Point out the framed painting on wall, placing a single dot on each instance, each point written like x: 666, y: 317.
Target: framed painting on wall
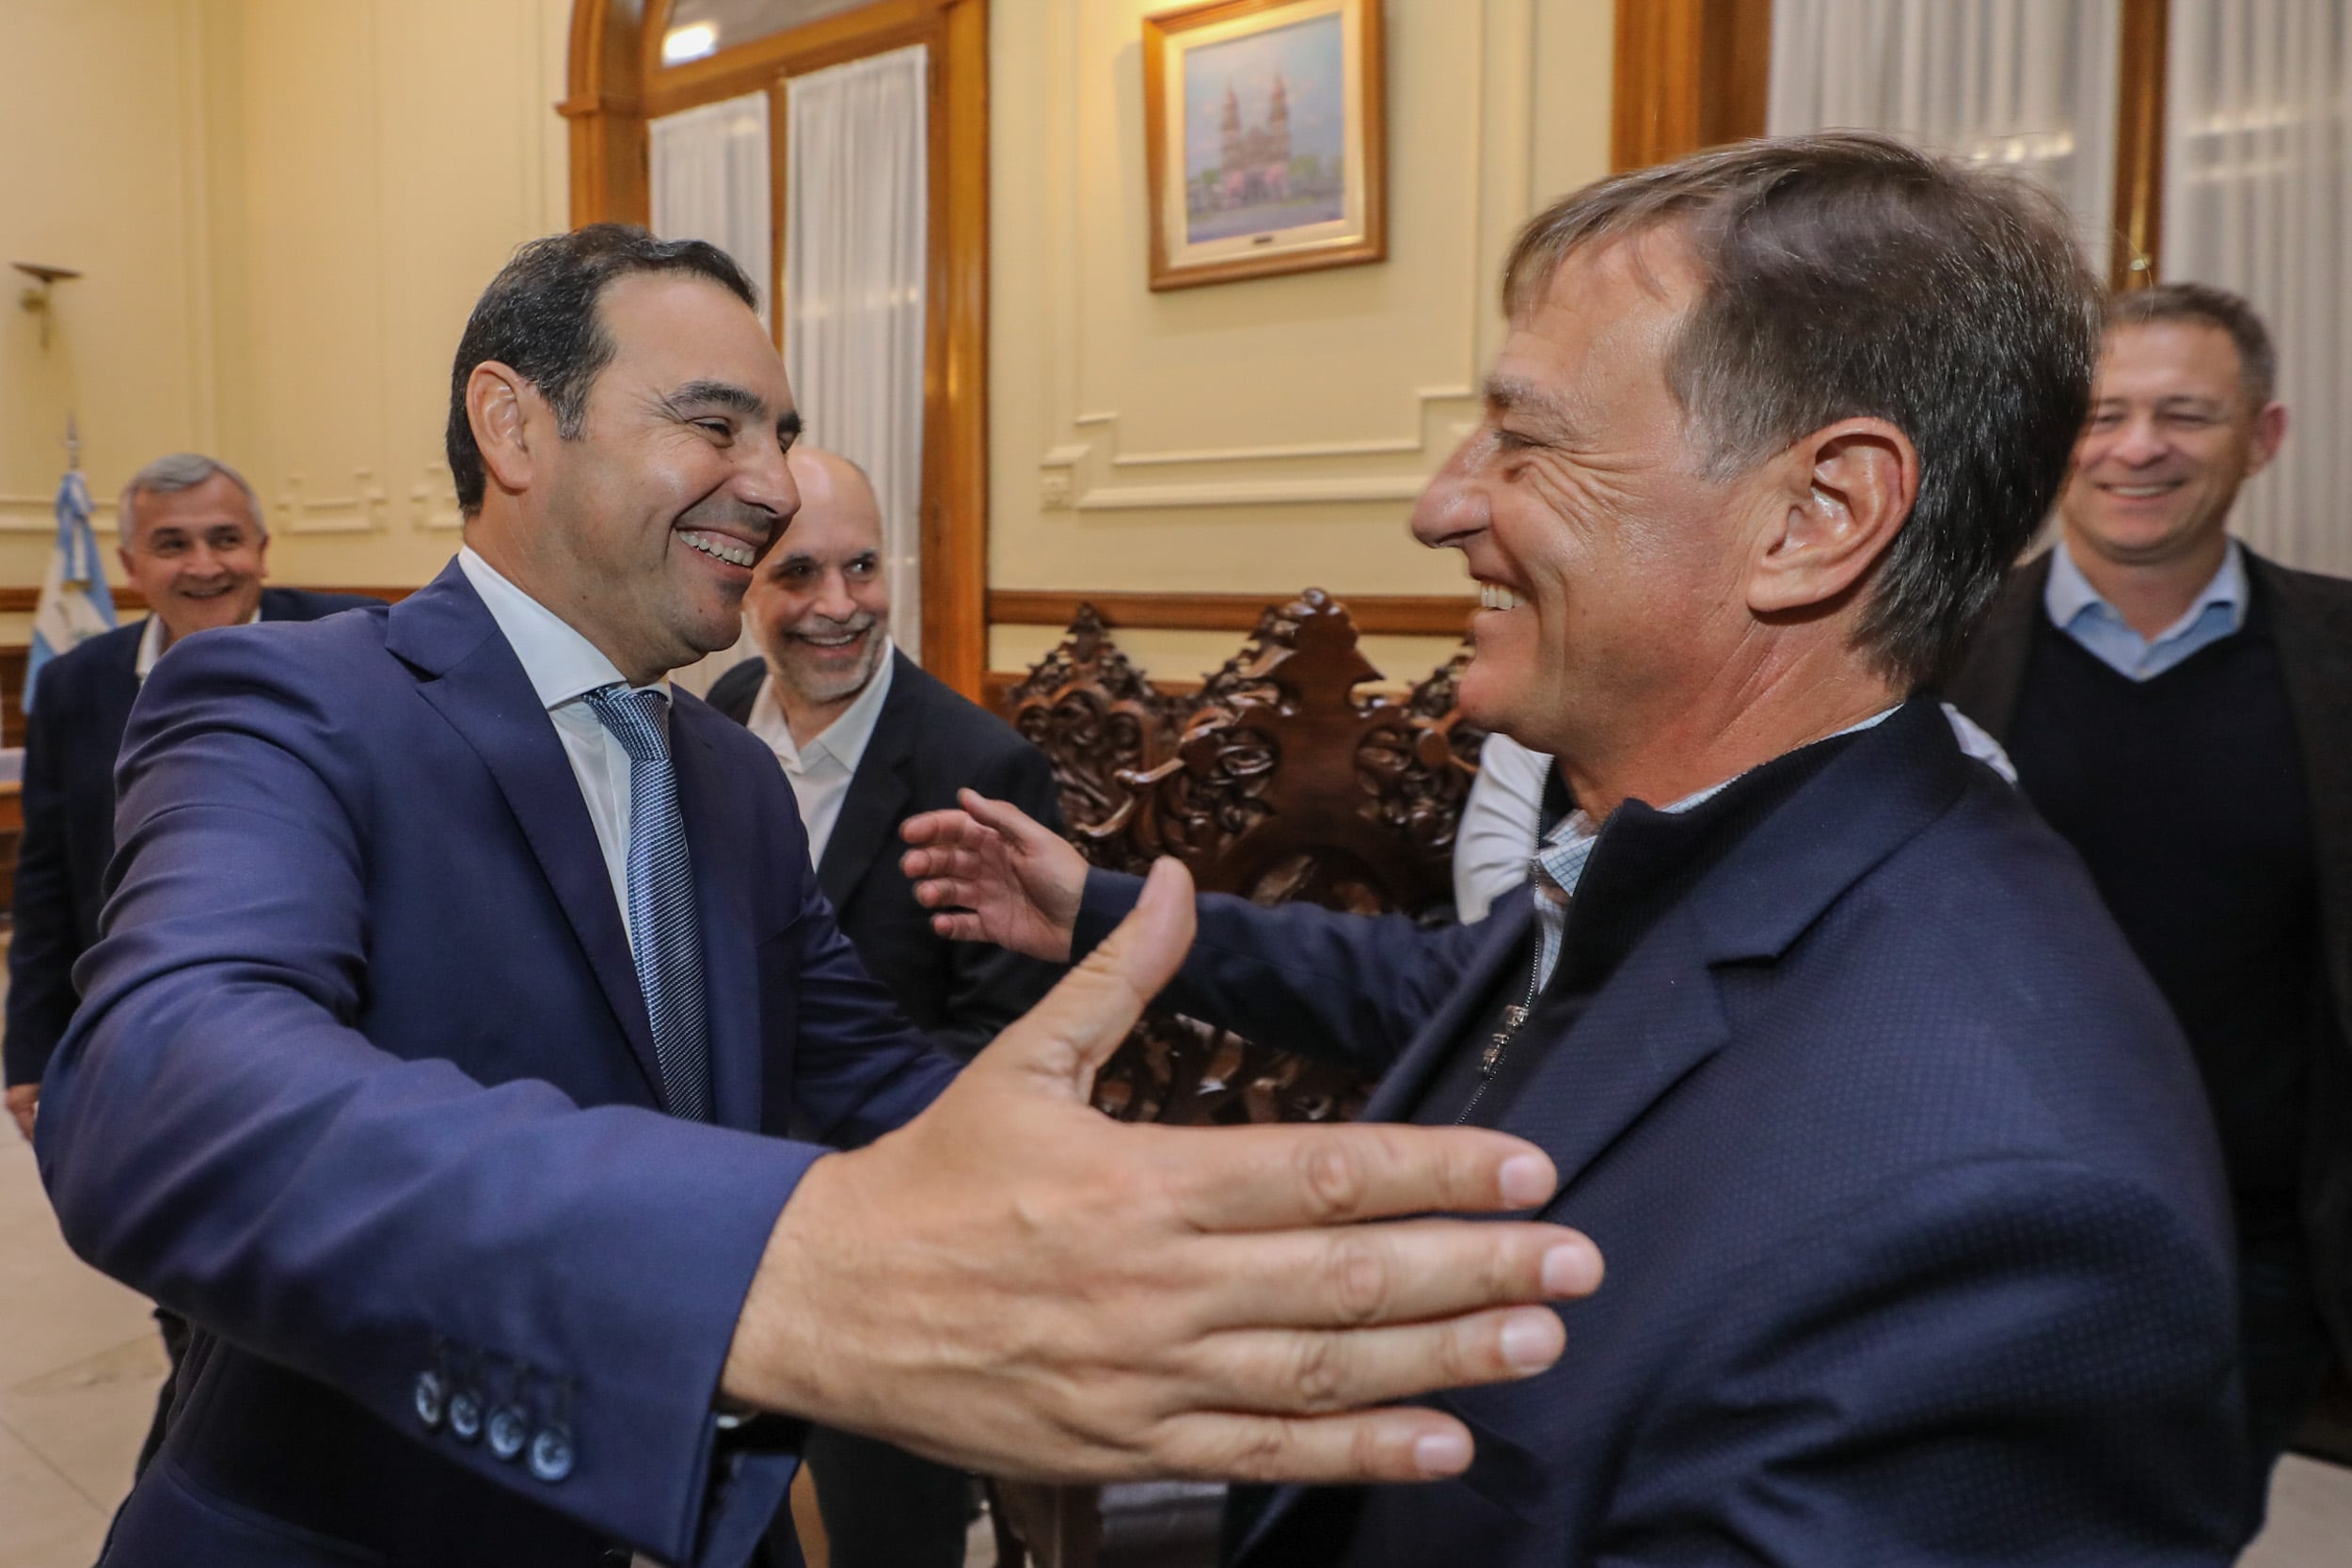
x: 1266, y: 133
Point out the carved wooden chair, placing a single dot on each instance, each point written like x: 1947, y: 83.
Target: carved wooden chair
x: 1097, y: 718
x: 1285, y: 782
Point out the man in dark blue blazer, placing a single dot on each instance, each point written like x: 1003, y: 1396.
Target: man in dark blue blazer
x: 71, y: 738
x: 195, y: 544
x: 459, y: 981
x: 1918, y: 1252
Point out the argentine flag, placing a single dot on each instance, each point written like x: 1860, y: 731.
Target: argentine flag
x: 76, y: 603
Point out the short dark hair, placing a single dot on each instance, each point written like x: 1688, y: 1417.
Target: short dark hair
x: 1849, y: 274
x: 2257, y: 362
x: 539, y: 317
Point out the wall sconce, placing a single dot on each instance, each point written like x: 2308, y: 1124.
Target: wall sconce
x: 36, y: 295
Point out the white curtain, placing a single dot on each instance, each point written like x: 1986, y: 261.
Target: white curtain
x: 2026, y: 83
x: 710, y: 181
x: 856, y: 252
x: 2258, y: 199
x: 710, y: 168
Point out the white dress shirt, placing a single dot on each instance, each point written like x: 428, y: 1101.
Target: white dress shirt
x: 151, y: 642
x: 821, y: 771
x: 563, y: 667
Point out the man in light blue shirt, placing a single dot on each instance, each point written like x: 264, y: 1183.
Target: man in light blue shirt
x: 2078, y: 608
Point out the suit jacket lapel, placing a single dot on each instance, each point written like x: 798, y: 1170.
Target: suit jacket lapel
x: 473, y: 679
x: 2314, y: 642
x: 1401, y: 1087
x: 715, y: 836
x: 1660, y: 1015
x: 878, y: 791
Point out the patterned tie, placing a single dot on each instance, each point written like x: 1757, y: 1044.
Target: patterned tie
x: 662, y: 926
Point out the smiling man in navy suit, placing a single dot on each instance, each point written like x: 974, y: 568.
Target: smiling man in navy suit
x: 1918, y: 1249
x: 461, y: 983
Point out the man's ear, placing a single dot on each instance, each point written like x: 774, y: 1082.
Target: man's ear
x: 499, y: 405
x: 1849, y: 488
x: 2270, y: 429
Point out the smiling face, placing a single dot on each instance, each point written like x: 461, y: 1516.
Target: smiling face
x: 820, y: 606
x: 1612, y: 575
x: 642, y: 530
x: 2173, y: 435
x: 199, y: 555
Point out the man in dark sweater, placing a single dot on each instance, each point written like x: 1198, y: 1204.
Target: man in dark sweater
x: 2181, y: 711
x: 867, y: 741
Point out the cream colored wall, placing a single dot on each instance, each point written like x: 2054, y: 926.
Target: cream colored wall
x: 101, y: 109
x: 1264, y: 435
x: 284, y: 209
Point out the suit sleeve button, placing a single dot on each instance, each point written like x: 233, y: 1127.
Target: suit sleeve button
x: 510, y: 1432
x: 464, y: 1415
x: 551, y: 1453
x: 432, y: 1398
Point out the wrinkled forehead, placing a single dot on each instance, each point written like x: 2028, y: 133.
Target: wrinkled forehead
x: 839, y: 515
x: 2169, y: 359
x: 215, y: 502
x: 1601, y: 327
x: 670, y: 330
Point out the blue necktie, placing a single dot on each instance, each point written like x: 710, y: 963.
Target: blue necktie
x: 662, y: 925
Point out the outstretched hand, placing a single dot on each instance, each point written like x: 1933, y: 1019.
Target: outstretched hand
x: 1014, y: 1283
x: 993, y: 873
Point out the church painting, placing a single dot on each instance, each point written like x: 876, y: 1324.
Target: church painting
x: 1264, y: 128
x: 1264, y: 121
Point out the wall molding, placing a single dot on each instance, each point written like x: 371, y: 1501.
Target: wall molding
x: 38, y: 515
x: 1381, y: 614
x: 25, y: 601
x: 296, y: 511
x: 1083, y: 475
x: 431, y: 504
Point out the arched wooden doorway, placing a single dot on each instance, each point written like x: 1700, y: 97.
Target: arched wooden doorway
x: 617, y: 82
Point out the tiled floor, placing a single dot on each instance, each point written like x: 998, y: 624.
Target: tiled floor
x: 79, y: 1360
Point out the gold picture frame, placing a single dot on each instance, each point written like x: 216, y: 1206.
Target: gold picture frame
x: 1265, y: 133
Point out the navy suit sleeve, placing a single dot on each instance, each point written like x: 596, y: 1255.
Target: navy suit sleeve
x: 218, y: 1135
x: 47, y: 938
x: 1347, y: 988
x: 2007, y: 1362
x: 989, y: 985
x: 859, y: 1069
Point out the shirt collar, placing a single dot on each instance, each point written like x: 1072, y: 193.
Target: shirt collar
x: 2069, y: 595
x: 1579, y: 826
x: 845, y: 739
x: 151, y: 642
x: 562, y: 666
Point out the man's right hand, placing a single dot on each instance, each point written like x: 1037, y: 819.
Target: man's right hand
x: 1014, y: 1283
x: 23, y: 1099
x: 994, y: 874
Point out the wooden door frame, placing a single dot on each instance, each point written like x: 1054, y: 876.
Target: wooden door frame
x: 1695, y: 74
x: 617, y: 83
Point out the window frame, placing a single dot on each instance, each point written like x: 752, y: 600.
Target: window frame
x: 1696, y: 73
